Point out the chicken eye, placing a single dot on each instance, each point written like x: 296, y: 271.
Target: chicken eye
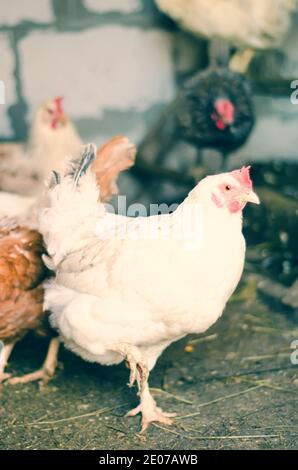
x: 228, y: 187
x: 50, y: 111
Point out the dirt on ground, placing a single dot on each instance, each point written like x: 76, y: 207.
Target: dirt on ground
x: 232, y: 388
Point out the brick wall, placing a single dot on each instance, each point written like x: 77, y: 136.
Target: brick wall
x: 116, y: 62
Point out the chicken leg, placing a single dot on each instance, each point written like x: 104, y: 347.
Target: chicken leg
x: 46, y: 372
x: 139, y: 372
x: 5, y: 352
x: 241, y: 60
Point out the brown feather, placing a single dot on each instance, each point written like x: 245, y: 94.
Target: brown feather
x: 117, y: 155
x: 21, y: 274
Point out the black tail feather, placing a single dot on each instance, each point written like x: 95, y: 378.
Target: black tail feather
x: 80, y: 166
x: 55, y: 179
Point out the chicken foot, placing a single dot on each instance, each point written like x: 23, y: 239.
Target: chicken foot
x: 149, y: 409
x: 139, y: 372
x: 47, y: 371
x: 5, y: 352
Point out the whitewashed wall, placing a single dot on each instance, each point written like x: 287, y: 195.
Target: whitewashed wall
x: 117, y: 63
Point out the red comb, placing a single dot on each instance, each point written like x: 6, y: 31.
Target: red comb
x: 225, y: 109
x: 243, y: 176
x: 58, y: 102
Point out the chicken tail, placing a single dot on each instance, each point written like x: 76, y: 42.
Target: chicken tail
x: 115, y: 156
x: 73, y: 201
x: 79, y: 167
x: 76, y: 168
x: 70, y: 208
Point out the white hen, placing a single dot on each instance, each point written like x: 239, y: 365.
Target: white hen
x: 52, y: 140
x: 127, y: 288
x: 253, y: 24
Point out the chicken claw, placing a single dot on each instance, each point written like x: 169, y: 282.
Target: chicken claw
x: 4, y: 376
x: 151, y: 414
x: 42, y: 375
x: 47, y: 371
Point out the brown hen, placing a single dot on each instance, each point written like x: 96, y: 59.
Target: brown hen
x: 21, y: 294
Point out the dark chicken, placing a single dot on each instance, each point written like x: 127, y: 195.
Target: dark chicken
x: 213, y: 110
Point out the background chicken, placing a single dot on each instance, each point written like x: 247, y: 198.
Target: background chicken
x: 52, y: 137
x: 214, y: 110
x: 247, y: 24
x: 127, y: 288
x: 22, y: 271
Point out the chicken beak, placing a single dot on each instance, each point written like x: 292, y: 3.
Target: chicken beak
x: 251, y: 196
